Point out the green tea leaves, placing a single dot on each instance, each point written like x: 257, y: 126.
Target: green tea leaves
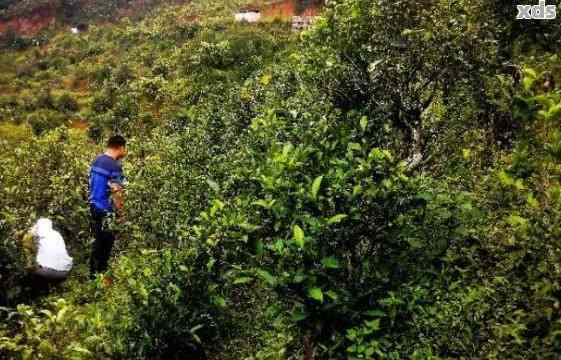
x: 298, y: 236
x: 266, y: 276
x: 316, y: 294
x: 330, y: 262
x: 316, y: 184
x: 363, y: 123
x: 336, y: 219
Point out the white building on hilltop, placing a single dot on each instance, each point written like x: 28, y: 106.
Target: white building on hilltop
x: 249, y: 14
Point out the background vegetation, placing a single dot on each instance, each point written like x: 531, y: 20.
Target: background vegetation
x: 385, y: 184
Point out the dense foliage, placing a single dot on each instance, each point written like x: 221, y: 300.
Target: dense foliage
x: 385, y: 184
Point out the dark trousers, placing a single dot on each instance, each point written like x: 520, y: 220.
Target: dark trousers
x: 45, y: 279
x: 103, y: 244
x: 54, y: 276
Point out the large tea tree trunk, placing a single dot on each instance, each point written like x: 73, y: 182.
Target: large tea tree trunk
x: 410, y: 121
x: 419, y: 52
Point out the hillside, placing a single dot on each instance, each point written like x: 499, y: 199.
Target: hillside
x: 384, y: 184
x: 74, y: 11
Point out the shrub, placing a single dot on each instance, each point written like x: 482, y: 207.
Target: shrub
x: 66, y: 103
x: 8, y: 102
x: 11, y: 40
x: 122, y: 74
x: 157, y: 307
x: 51, y: 333
x: 215, y: 55
x: 45, y: 100
x: 126, y: 108
x: 12, y: 134
x: 25, y: 70
x: 102, y: 101
x: 62, y: 157
x: 160, y: 307
x: 100, y: 73
x: 95, y: 129
x: 43, y: 120
x: 13, y: 279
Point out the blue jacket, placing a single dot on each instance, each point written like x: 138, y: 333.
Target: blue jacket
x: 104, y: 170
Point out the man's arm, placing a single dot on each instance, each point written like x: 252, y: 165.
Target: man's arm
x: 116, y: 183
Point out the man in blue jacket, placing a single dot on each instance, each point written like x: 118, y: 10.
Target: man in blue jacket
x: 106, y: 197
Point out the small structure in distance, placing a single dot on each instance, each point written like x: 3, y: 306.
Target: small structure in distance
x: 249, y: 14
x: 302, y: 22
x: 300, y: 12
x: 79, y: 28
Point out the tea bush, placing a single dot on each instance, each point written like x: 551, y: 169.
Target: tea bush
x: 65, y: 103
x: 53, y: 182
x: 12, y: 268
x: 146, y: 287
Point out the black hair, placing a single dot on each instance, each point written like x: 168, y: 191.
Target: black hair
x: 116, y: 141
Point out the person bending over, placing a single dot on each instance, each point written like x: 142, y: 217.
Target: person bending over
x: 105, y: 199
x: 51, y: 263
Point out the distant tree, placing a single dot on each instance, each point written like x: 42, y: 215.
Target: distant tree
x: 11, y: 40
x: 69, y: 8
x: 66, y: 103
x: 45, y: 100
x: 123, y: 74
x: 397, y: 59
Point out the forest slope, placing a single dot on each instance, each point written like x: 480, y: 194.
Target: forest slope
x: 385, y: 184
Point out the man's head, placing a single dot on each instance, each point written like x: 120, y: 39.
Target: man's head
x: 116, y: 146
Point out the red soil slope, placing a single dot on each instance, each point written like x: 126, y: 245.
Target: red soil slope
x: 288, y: 8
x: 29, y: 25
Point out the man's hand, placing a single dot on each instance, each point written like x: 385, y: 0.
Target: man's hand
x: 117, y: 195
